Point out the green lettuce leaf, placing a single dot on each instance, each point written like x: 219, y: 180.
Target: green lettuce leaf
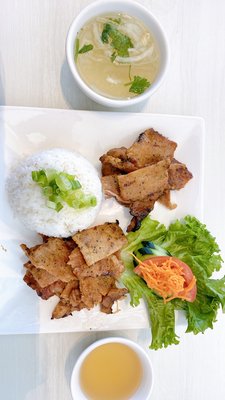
x: 190, y: 241
x: 201, y: 314
x: 191, y: 238
x: 150, y: 230
x: 162, y: 316
x: 216, y: 288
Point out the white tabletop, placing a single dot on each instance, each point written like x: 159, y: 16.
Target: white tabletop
x: 33, y: 72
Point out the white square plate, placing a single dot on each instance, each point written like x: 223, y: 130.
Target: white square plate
x: 24, y: 131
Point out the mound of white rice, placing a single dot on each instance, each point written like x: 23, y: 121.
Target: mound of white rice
x: 29, y: 203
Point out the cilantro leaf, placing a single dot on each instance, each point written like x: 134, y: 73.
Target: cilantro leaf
x: 82, y: 50
x: 118, y: 40
x: 138, y: 85
x: 85, y: 48
x: 113, y: 56
x: 77, y: 45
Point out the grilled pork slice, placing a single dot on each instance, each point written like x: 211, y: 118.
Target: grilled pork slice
x: 150, y: 148
x: 140, y: 209
x: 134, y: 225
x: 100, y: 241
x: 116, y: 161
x: 45, y: 293
x: 42, y: 277
x: 124, y: 166
x: 62, y: 309
x: 108, y: 266
x: 92, y: 289
x: 75, y: 298
x: 68, y: 289
x: 179, y: 175
x: 108, y: 169
x: 111, y: 189
x: 145, y: 181
x: 51, y: 256
x: 118, y: 152
x: 113, y: 295
x: 77, y: 262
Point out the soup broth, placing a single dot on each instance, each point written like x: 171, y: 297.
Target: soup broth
x: 112, y: 371
x: 111, y: 50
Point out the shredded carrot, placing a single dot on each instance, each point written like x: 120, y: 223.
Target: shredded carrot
x: 166, y: 279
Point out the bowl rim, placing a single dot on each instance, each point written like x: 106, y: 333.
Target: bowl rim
x: 135, y: 346
x: 97, y: 97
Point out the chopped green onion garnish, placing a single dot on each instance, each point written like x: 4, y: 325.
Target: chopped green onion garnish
x: 59, y: 187
x: 40, y: 177
x: 93, y: 201
x: 90, y: 201
x: 59, y: 207
x: 50, y: 174
x: 48, y: 191
x: 75, y: 185
x: 51, y: 204
x: 63, y: 182
x: 55, y: 198
x: 35, y: 176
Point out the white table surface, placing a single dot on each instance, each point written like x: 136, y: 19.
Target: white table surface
x: 33, y: 72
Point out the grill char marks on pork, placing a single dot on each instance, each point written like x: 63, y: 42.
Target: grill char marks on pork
x: 139, y: 210
x: 145, y: 172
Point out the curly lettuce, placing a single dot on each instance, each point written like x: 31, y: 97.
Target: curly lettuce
x: 190, y: 241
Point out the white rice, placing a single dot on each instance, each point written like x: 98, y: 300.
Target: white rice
x: 29, y: 203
